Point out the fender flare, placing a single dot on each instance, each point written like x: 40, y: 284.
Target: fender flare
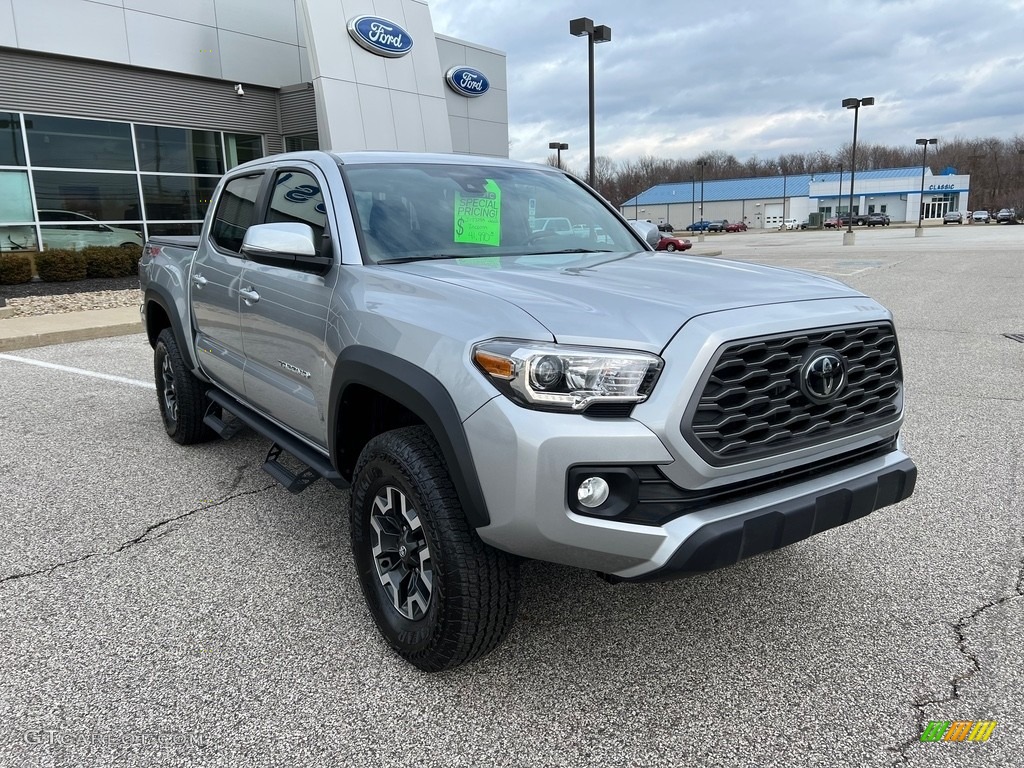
x: 161, y: 296
x: 423, y: 395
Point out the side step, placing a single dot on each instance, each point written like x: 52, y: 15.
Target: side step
x: 317, y: 465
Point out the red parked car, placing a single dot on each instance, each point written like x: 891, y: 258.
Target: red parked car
x: 668, y: 243
x: 736, y: 226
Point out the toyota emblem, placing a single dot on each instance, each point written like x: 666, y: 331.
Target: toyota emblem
x: 823, y: 377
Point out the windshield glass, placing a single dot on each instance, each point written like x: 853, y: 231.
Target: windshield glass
x: 436, y: 211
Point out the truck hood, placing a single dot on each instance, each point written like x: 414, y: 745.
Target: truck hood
x: 632, y: 300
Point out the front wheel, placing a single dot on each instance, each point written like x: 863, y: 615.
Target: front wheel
x: 670, y: 247
x: 181, y: 395
x: 439, y: 595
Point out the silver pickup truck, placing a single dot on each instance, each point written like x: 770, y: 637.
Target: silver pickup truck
x: 400, y: 325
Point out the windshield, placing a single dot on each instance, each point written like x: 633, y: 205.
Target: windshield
x: 438, y: 211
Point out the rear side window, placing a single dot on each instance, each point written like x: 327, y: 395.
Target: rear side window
x: 236, y: 212
x: 297, y: 198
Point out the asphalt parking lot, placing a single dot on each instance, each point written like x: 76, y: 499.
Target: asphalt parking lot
x: 171, y: 606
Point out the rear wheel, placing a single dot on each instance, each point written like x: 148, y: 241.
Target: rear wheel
x: 670, y: 247
x: 438, y: 594
x: 182, y: 397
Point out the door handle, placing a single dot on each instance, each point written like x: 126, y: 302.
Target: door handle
x: 249, y: 295
x: 198, y: 280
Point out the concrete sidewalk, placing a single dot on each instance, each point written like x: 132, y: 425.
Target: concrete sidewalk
x: 42, y: 330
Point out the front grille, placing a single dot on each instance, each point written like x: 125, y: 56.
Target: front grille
x: 751, y: 403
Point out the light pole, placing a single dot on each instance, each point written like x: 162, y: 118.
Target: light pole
x: 700, y: 236
x: 855, y: 105
x: 924, y: 162
x: 783, y: 199
x: 558, y: 147
x: 599, y: 34
x: 693, y: 199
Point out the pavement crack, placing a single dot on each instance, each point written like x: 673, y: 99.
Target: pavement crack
x: 957, y: 682
x: 152, y: 532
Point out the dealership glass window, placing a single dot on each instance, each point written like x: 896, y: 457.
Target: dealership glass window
x: 73, y: 230
x: 177, y: 197
x: 242, y: 147
x: 11, y: 150
x: 176, y: 229
x: 15, y: 201
x: 67, y: 142
x: 178, y: 150
x: 15, y: 239
x: 102, y: 196
x: 301, y: 142
x: 236, y: 212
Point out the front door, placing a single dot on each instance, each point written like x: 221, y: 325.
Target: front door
x: 214, y: 282
x: 284, y: 315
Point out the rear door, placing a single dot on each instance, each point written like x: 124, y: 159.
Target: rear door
x: 284, y: 313
x: 215, y: 279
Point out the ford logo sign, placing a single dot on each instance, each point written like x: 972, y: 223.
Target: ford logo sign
x: 380, y: 36
x: 467, y: 81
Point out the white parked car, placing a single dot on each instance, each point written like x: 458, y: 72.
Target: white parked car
x: 66, y: 229
x: 981, y: 217
x: 791, y: 224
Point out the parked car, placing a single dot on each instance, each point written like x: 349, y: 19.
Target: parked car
x: 718, y: 226
x: 878, y: 219
x: 981, y: 217
x: 953, y: 217
x: 859, y: 219
x: 1007, y: 216
x: 66, y: 229
x: 669, y: 243
x: 736, y: 226
x: 553, y: 225
x: 698, y: 226
x: 832, y: 223
x: 603, y: 410
x: 790, y: 224
x: 666, y: 227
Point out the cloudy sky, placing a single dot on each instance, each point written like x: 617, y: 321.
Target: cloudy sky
x: 681, y: 77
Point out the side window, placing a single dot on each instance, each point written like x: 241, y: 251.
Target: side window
x: 236, y: 212
x: 297, y: 197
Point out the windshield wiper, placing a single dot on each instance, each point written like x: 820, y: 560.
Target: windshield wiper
x: 572, y: 250
x: 431, y: 257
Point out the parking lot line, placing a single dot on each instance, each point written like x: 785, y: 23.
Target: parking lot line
x: 79, y: 371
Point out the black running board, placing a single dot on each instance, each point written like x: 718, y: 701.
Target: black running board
x: 317, y: 465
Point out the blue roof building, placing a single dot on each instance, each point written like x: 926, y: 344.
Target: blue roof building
x: 766, y: 202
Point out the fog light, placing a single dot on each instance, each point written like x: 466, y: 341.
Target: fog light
x: 593, y: 492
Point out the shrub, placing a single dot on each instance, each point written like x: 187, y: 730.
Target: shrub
x: 111, y: 261
x: 15, y: 268
x: 59, y: 265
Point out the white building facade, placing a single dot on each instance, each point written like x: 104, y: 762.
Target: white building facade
x: 123, y: 114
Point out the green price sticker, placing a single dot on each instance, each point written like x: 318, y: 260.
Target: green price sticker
x: 478, y: 217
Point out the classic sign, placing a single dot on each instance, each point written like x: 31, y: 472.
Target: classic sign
x: 467, y: 81
x: 380, y: 36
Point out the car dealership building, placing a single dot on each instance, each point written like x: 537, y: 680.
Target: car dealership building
x: 765, y: 202
x: 120, y: 115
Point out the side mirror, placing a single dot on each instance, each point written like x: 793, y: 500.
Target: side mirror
x: 285, y: 244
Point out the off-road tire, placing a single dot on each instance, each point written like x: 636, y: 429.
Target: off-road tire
x: 181, y: 396
x: 474, y: 588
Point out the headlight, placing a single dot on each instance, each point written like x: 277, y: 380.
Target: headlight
x: 561, y: 378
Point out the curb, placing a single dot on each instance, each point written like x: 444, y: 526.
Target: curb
x: 46, y: 330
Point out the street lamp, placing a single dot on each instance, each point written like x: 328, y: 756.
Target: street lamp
x: 693, y: 199
x: 924, y: 162
x: 600, y: 34
x: 700, y: 236
x: 855, y: 105
x: 558, y: 147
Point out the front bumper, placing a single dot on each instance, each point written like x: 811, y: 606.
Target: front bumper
x: 726, y: 541
x: 523, y: 459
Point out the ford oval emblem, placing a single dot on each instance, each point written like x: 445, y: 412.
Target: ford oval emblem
x: 380, y: 36
x: 467, y: 81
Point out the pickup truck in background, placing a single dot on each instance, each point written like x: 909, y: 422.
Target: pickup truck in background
x: 393, y: 324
